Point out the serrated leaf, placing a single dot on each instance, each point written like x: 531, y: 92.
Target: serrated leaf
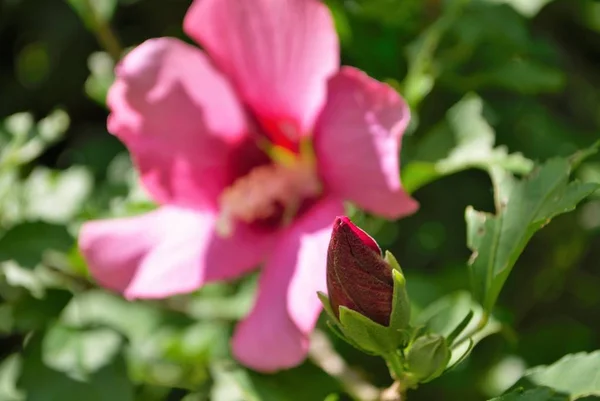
x: 473, y: 148
x: 522, y: 208
x: 575, y: 375
x: 26, y: 243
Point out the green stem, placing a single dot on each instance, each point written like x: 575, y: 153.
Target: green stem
x: 421, y: 63
x: 323, y: 354
x: 394, y: 393
x: 395, y: 365
x: 104, y: 33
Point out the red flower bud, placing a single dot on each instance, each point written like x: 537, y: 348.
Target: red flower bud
x: 357, y: 275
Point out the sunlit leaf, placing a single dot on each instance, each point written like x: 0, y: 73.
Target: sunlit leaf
x: 79, y: 352
x: 573, y: 377
x: 56, y: 196
x: 473, y: 147
x: 528, y: 8
x: 101, y: 77
x: 9, y: 372
x: 27, y: 142
x: 164, y: 348
x: 574, y: 374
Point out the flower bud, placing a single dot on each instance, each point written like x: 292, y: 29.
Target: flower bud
x: 358, y: 277
x: 428, y: 357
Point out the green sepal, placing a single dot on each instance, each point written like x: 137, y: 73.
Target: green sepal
x: 335, y: 325
x: 400, y: 315
x: 392, y: 261
x: 338, y: 332
x: 327, y: 306
x: 369, y: 335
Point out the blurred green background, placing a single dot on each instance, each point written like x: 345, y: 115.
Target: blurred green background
x: 534, y: 63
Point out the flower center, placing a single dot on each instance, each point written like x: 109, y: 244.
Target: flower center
x: 275, y: 190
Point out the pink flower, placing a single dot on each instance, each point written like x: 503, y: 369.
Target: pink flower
x: 249, y: 149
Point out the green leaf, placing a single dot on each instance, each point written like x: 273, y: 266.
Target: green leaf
x: 6, y: 318
x: 26, y: 243
x: 522, y: 208
x: 77, y: 352
x: 41, y: 383
x: 575, y: 375
x: 473, y: 148
x: 524, y: 76
x: 306, y: 382
x: 536, y: 394
x: 32, y: 313
x: 164, y: 348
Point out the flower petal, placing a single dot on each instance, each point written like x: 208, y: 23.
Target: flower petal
x: 276, y: 333
x: 166, y: 252
x: 180, y: 119
x: 279, y: 54
x: 357, y: 141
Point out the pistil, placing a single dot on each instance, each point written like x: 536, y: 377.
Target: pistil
x: 263, y: 193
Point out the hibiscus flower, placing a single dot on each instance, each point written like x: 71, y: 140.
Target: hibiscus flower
x: 249, y: 148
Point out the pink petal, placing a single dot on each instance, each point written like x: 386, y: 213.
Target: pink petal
x: 180, y: 120
x: 276, y: 333
x: 166, y: 252
x: 279, y: 54
x: 357, y: 141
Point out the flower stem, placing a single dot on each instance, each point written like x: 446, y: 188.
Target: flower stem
x: 421, y: 63
x: 323, y: 355
x: 394, y: 393
x: 395, y: 365
x: 104, y: 33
